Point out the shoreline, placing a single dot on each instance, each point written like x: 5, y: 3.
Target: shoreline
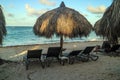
x: 49, y: 43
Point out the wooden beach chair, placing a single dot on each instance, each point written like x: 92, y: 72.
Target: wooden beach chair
x: 32, y: 54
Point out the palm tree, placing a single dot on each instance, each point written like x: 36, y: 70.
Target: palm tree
x: 2, y: 26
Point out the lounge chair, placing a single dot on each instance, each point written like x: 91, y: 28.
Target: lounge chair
x: 52, y: 53
x: 72, y: 56
x: 82, y: 55
x: 74, y: 53
x: 32, y: 54
x: 87, y: 50
x: 85, y: 54
x: 114, y: 48
x: 55, y: 53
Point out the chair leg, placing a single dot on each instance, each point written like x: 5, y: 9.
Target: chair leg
x: 26, y: 67
x: 62, y: 62
x: 48, y: 61
x: 43, y: 64
x: 26, y: 62
x: 71, y: 60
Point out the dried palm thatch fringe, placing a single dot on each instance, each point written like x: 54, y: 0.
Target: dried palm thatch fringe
x: 62, y: 21
x: 109, y: 25
x: 2, y: 26
x: 96, y: 28
x: 112, y: 38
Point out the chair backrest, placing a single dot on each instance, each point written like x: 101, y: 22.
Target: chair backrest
x: 53, y: 52
x: 88, y: 49
x: 74, y: 53
x: 115, y: 47
x: 34, y: 53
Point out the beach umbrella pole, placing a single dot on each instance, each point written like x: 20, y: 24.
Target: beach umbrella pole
x: 61, y: 42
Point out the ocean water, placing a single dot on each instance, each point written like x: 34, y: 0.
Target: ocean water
x: 23, y: 35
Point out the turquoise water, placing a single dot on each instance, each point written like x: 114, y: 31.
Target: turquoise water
x: 23, y: 35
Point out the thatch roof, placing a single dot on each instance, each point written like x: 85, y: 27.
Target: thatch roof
x: 2, y: 26
x: 97, y: 28
x: 109, y: 25
x: 62, y: 21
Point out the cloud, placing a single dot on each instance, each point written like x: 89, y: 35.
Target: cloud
x: 31, y: 11
x: 11, y: 6
x: 10, y: 15
x: 47, y: 2
x: 97, y: 10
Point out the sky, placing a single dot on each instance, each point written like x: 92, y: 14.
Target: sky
x: 26, y: 12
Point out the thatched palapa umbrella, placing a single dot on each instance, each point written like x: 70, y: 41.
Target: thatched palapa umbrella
x: 98, y: 31
x: 2, y: 29
x: 2, y: 26
x: 62, y: 21
x: 109, y: 25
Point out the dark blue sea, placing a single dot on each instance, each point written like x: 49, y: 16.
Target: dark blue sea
x: 23, y: 35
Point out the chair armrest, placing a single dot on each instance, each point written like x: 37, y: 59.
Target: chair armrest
x: 25, y: 58
x: 63, y: 49
x: 43, y: 57
x: 118, y: 51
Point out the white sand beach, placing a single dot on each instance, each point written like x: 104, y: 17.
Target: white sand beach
x: 105, y: 68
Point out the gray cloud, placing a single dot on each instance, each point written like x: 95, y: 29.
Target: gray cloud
x: 34, y: 12
x: 97, y: 10
x: 47, y: 2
